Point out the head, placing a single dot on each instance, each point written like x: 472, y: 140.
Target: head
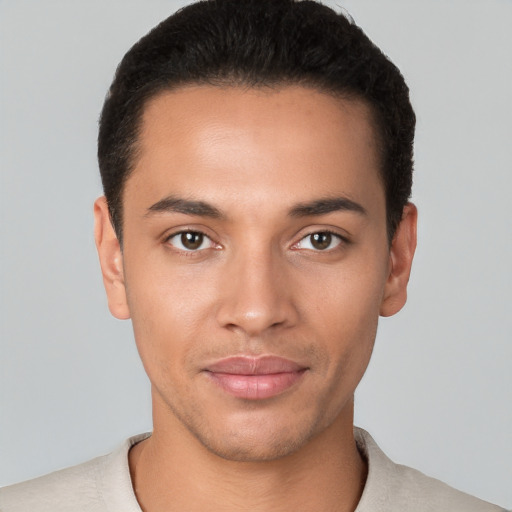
x: 258, y: 44
x: 256, y: 159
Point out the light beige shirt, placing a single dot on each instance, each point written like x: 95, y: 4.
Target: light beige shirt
x: 103, y: 485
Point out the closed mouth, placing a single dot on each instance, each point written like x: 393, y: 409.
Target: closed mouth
x: 255, y: 378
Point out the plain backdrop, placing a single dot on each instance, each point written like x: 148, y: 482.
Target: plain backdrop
x: 438, y: 392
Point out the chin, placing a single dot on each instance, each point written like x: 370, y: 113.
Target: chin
x: 261, y: 439
x: 253, y: 448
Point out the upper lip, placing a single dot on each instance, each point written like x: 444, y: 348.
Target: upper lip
x: 249, y: 365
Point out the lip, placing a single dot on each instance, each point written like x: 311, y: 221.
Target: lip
x: 255, y: 378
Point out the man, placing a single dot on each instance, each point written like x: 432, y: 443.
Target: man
x: 256, y: 158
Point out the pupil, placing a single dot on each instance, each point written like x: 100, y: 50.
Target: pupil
x: 191, y: 240
x: 321, y: 240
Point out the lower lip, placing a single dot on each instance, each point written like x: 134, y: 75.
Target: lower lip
x: 256, y: 387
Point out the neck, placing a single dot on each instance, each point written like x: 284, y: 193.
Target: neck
x: 327, y: 473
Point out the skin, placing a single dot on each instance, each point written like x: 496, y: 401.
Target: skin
x: 257, y: 285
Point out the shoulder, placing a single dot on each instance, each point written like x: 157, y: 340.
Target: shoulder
x: 413, y: 487
x: 93, y: 486
x: 70, y: 489
x: 393, y: 487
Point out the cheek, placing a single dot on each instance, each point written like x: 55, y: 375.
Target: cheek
x: 168, y: 311
x: 346, y: 311
x: 349, y: 336
x: 347, y: 297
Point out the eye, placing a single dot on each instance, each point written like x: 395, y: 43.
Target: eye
x: 320, y: 241
x: 190, y: 241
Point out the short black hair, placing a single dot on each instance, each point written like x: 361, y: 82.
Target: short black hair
x: 257, y: 43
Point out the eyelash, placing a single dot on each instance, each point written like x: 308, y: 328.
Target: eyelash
x: 341, y: 240
x: 189, y: 252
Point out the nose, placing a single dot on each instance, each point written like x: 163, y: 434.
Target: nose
x: 257, y: 295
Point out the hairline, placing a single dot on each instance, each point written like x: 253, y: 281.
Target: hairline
x: 155, y: 91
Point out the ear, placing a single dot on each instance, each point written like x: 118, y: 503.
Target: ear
x: 111, y: 260
x: 400, y: 261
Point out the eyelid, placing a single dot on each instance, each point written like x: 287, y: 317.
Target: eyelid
x: 180, y: 231
x: 343, y: 240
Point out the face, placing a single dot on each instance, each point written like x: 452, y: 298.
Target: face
x: 255, y: 263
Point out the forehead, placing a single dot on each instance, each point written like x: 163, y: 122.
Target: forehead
x: 228, y: 143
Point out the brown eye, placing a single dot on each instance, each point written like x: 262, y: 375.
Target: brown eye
x: 190, y: 241
x: 321, y: 241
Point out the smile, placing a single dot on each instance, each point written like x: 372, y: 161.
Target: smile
x: 253, y: 378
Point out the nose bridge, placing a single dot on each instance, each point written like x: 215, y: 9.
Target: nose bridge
x: 255, y: 297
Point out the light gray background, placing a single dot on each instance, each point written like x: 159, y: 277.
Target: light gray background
x: 438, y: 393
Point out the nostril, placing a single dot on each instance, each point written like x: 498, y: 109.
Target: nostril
x: 255, y: 302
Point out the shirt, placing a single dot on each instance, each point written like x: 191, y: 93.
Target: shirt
x: 103, y: 484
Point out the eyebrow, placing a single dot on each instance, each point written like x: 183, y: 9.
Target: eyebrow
x: 327, y: 205
x: 173, y: 204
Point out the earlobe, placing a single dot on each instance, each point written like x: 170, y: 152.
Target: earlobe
x: 400, y: 257
x: 111, y: 261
